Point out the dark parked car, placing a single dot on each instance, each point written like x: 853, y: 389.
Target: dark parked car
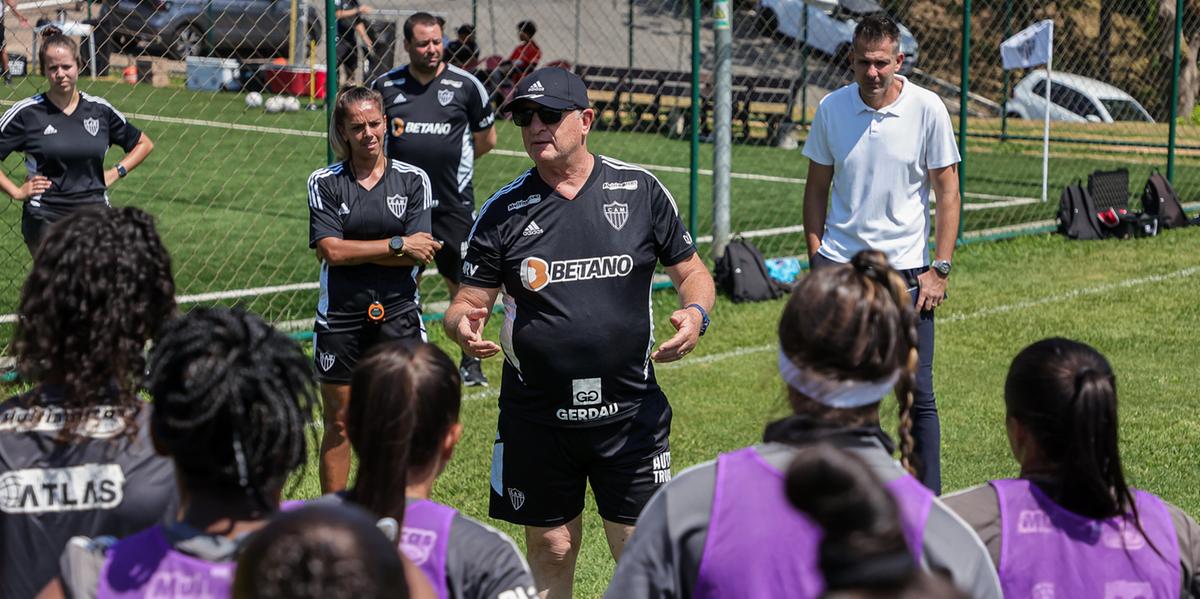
x: 182, y: 28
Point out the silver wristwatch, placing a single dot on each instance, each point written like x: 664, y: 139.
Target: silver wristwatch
x: 941, y: 266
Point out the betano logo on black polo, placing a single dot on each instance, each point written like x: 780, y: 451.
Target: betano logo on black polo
x: 401, y: 127
x: 536, y: 273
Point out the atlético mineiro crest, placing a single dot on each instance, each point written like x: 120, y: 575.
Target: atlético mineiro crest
x: 327, y: 360
x: 396, y: 204
x: 92, y: 126
x: 616, y: 213
x: 445, y: 96
x: 516, y: 497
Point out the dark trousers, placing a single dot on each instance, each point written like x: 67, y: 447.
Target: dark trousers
x: 926, y: 427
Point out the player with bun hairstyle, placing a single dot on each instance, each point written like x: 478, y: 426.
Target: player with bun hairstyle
x: 226, y: 381
x: 75, y: 451
x: 64, y: 134
x: 404, y: 409
x: 322, y: 552
x: 1071, y: 526
x: 369, y: 224
x: 863, y: 551
x: 847, y: 338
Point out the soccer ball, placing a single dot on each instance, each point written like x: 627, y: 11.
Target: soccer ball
x: 291, y: 104
x: 274, y: 104
x: 254, y: 100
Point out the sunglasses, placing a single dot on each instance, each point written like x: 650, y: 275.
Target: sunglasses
x: 522, y: 117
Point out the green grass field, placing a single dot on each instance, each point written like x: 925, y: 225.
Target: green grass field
x: 231, y: 202
x: 1133, y: 300
x: 231, y: 205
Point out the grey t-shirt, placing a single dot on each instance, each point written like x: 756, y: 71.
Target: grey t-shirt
x: 663, y: 557
x: 980, y: 507
x: 481, y: 562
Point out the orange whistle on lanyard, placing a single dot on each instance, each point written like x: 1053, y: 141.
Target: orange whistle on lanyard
x: 375, y: 312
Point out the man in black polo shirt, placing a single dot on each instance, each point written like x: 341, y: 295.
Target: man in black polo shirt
x: 574, y: 242
x: 439, y: 119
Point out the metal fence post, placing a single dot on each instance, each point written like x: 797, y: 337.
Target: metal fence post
x: 722, y: 114
x: 1175, y: 90
x: 631, y: 34
x: 331, y: 68
x: 1004, y: 102
x: 964, y: 88
x: 694, y: 166
x: 804, y: 65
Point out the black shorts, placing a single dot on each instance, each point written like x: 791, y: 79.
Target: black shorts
x: 451, y: 227
x: 337, y: 353
x: 540, y: 473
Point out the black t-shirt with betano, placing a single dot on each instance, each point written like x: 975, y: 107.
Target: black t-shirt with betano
x: 578, y: 329
x: 431, y: 126
x: 340, y: 207
x: 68, y: 149
x: 103, y: 483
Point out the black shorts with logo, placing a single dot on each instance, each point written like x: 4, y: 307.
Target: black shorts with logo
x: 336, y: 353
x: 540, y: 473
x: 451, y: 227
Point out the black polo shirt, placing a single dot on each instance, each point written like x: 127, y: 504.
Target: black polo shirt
x: 339, y: 207
x: 578, y: 328
x: 431, y: 126
x: 69, y: 149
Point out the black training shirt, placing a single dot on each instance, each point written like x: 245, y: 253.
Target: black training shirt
x: 578, y: 328
x: 431, y: 126
x: 339, y: 207
x: 67, y: 148
x: 103, y: 483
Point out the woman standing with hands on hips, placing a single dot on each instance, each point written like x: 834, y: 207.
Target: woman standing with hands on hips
x: 64, y: 134
x: 369, y: 223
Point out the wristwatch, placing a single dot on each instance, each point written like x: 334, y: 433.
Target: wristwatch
x: 703, y: 315
x: 396, y: 245
x: 941, y: 266
x: 121, y: 170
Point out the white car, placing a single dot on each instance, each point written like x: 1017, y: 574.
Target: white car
x: 1073, y: 98
x: 830, y: 25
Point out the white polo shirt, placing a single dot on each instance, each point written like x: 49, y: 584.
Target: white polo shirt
x: 881, y: 161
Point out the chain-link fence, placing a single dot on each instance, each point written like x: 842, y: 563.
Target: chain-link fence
x: 227, y: 180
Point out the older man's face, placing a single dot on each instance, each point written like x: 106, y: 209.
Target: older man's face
x: 557, y: 141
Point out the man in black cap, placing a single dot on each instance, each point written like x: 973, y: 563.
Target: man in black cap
x: 574, y: 242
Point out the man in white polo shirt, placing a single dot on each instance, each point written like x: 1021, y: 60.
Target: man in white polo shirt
x: 883, y: 142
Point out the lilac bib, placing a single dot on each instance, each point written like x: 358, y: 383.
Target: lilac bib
x: 758, y: 545
x: 425, y: 540
x: 1048, y: 552
x: 145, y: 565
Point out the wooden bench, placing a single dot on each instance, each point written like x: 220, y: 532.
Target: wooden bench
x: 660, y: 100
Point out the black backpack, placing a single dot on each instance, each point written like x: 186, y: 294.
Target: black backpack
x: 741, y: 273
x: 1077, y: 214
x: 1160, y: 200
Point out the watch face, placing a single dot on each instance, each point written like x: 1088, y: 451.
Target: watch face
x: 396, y: 244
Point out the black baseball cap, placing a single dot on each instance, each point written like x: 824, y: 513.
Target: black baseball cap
x: 552, y: 87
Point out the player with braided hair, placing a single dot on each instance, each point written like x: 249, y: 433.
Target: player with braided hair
x: 76, y: 456
x: 225, y: 381
x: 846, y: 339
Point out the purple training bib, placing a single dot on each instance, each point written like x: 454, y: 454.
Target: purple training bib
x: 1049, y: 552
x: 759, y: 545
x: 425, y: 540
x: 145, y: 565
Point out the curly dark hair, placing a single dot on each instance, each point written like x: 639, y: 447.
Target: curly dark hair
x: 100, y: 287
x: 320, y: 551
x: 225, y: 380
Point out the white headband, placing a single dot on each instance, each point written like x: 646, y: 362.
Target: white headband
x: 833, y: 393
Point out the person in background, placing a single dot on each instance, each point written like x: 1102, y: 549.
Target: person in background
x: 76, y: 456
x: 847, y: 338
x: 64, y: 134
x: 463, y: 52
x: 225, y: 380
x: 1070, y: 525
x: 523, y: 59
x: 11, y: 5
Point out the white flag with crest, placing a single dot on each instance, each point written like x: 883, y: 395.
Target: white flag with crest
x: 1029, y: 47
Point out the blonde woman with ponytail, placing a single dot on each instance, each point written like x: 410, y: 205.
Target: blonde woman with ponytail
x: 847, y: 338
